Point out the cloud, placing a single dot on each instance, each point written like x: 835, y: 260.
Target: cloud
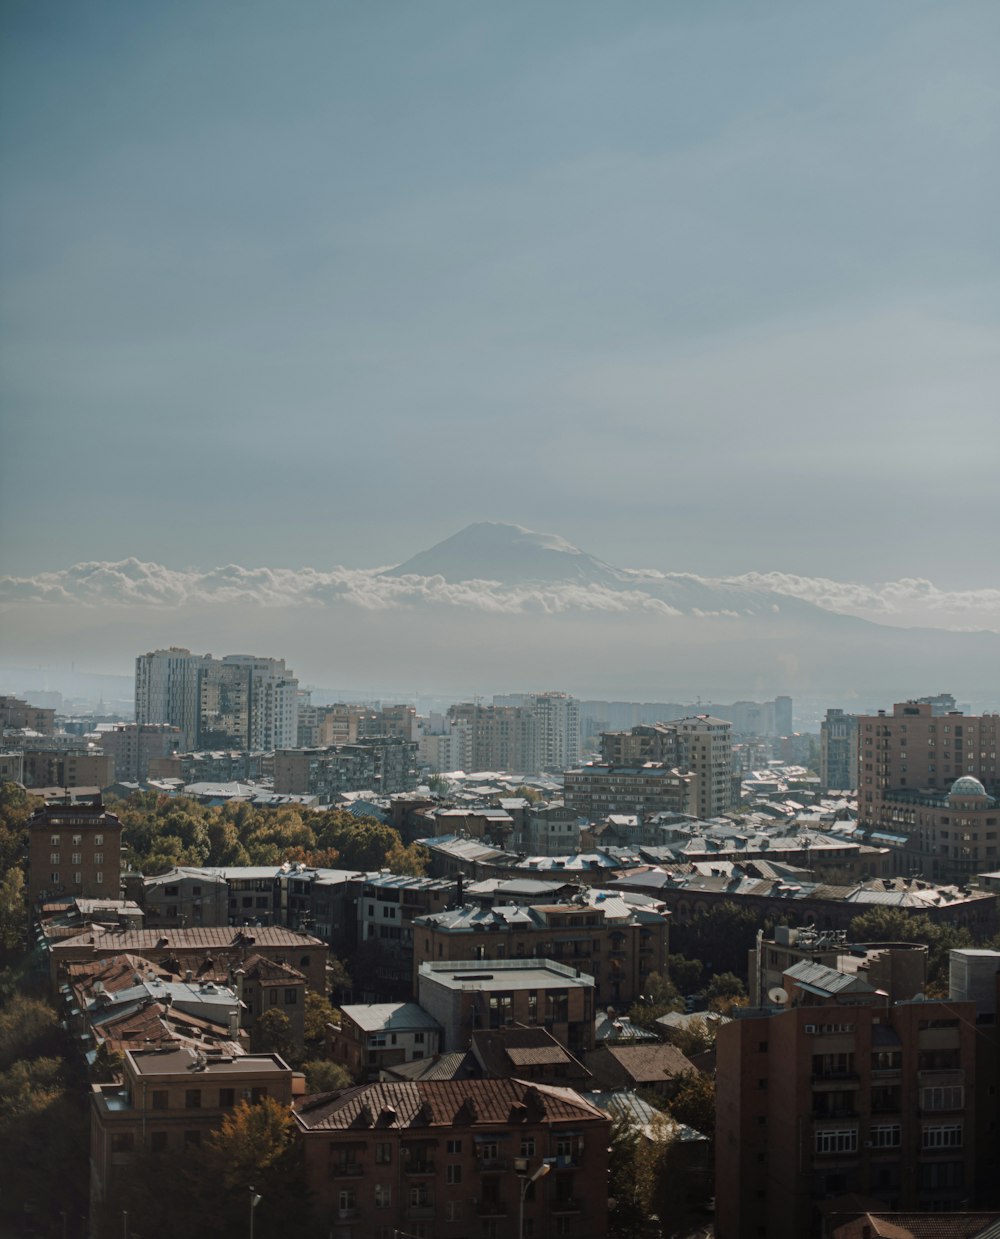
x: 909, y: 602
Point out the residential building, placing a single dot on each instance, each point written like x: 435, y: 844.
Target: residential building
x: 166, y: 690
x: 708, y: 753
x: 928, y: 783
x: 67, y: 767
x: 168, y: 1100
x: 447, y: 1159
x: 840, y: 1094
x: 381, y: 764
x: 464, y: 995
x: 181, y: 897
x: 133, y: 745
x: 74, y: 849
x: 655, y: 1067
x: 551, y: 830
x: 595, y: 791
x: 372, y: 1037
x: 263, y: 985
x: 617, y: 943
x: 207, y: 953
x: 838, y: 751
x: 18, y: 715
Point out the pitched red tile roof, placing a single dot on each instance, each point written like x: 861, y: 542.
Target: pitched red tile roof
x: 442, y: 1103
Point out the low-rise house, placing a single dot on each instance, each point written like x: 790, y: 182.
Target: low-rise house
x: 270, y: 985
x: 373, y: 1037
x: 655, y: 1067
x: 527, y: 1054
x: 447, y: 1159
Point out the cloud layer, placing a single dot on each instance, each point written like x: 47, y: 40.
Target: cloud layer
x: 132, y: 582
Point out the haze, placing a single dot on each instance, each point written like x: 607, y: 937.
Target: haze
x: 707, y: 288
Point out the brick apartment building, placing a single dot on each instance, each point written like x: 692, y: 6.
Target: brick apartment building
x: 169, y: 1099
x: 74, y: 849
x: 449, y: 1159
x: 842, y: 1095
x: 929, y: 783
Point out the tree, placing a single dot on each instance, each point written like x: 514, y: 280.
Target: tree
x: 412, y: 860
x: 660, y: 998
x: 274, y: 1033
x: 697, y: 1036
x: 629, y: 1210
x: 318, y: 1013
x: 724, y: 992
x: 685, y: 973
x: 13, y: 912
x: 324, y: 1076
x: 693, y: 1104
x: 883, y: 924
x: 338, y: 978
x: 720, y: 937
x: 28, y: 1029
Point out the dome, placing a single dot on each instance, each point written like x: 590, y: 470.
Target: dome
x: 967, y: 786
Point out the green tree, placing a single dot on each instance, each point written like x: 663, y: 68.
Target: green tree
x: 883, y: 924
x: 685, y: 973
x: 274, y: 1033
x: 13, y: 912
x: 660, y: 997
x: 28, y: 1029
x: 720, y: 937
x: 324, y: 1076
x: 693, y: 1104
x: 318, y: 1013
x: 412, y: 860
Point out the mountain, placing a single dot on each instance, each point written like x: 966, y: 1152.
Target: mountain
x: 494, y: 551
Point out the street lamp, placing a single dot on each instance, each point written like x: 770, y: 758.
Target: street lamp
x: 526, y: 1180
x: 254, y: 1202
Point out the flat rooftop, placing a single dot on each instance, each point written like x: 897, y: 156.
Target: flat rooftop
x: 504, y: 974
x: 183, y: 1061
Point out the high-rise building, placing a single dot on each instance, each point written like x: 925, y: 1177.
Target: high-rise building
x: 930, y: 781
x: 239, y: 701
x: 838, y: 751
x: 707, y: 750
x: 133, y: 745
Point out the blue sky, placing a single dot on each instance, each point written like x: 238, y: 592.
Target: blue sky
x: 700, y: 286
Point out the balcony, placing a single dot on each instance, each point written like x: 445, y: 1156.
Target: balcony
x: 842, y: 1079
x: 346, y: 1170
x: 420, y: 1213
x: 423, y: 1165
x: 491, y: 1208
x: 567, y: 1204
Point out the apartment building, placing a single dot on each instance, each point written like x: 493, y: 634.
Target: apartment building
x: 597, y: 791
x: 841, y: 1094
x: 928, y: 784
x: 838, y: 752
x: 168, y: 1100
x: 707, y: 751
x: 617, y: 944
x: 383, y: 764
x: 67, y: 767
x: 18, y: 715
x: 132, y: 746
x: 74, y: 849
x: 466, y: 994
x: 523, y: 733
x: 240, y: 701
x: 447, y: 1159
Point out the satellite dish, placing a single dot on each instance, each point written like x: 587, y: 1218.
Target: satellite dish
x: 777, y: 996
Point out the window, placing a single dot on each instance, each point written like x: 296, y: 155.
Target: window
x: 527, y: 1146
x: 227, y: 1098
x: 347, y: 1200
x: 383, y: 1196
x: 98, y: 858
x: 77, y: 840
x: 291, y: 997
x: 76, y: 858
x: 54, y: 877
x: 454, y: 1147
x: 122, y: 1142
x: 192, y: 1099
x: 944, y: 1097
x: 54, y: 858
x: 885, y: 1136
x: 78, y: 878
x: 383, y: 1154
x: 98, y: 841
x: 157, y: 1141
x: 453, y: 1173
x: 842, y: 1140
x: 159, y: 1099
x: 99, y: 878
x: 945, y: 1136
x: 418, y: 1038
x: 54, y: 840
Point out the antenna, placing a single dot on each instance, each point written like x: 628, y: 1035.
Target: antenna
x: 777, y: 996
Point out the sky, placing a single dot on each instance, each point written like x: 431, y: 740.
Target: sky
x: 703, y: 287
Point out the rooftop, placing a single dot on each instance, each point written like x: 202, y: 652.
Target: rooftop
x: 504, y: 974
x: 390, y: 1016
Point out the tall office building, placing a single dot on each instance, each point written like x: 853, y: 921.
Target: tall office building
x: 838, y: 751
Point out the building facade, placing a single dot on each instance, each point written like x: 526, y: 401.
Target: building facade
x: 73, y: 849
x: 838, y: 752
